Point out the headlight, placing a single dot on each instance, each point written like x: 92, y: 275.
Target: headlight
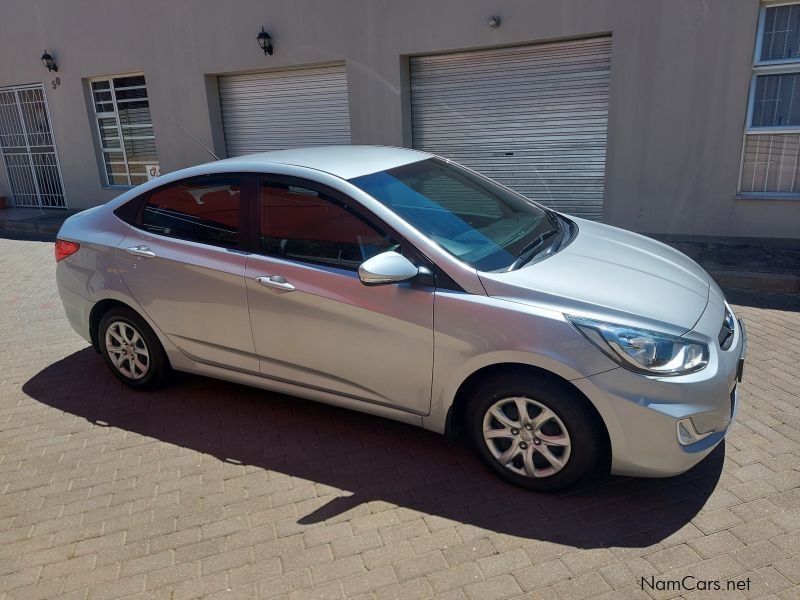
x: 644, y: 351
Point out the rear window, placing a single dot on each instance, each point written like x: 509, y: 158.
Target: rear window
x: 204, y: 210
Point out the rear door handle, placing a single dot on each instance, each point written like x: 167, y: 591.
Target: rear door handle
x: 141, y: 250
x: 276, y: 282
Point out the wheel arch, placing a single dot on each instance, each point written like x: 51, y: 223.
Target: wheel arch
x: 456, y: 414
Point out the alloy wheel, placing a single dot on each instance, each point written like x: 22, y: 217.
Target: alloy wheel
x: 127, y: 350
x: 526, y: 437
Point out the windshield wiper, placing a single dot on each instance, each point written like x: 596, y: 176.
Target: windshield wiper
x: 530, y: 250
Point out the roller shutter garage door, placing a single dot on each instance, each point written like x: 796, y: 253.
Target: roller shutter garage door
x: 284, y: 109
x: 532, y: 117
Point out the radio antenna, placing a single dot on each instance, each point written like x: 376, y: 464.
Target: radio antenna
x: 186, y: 131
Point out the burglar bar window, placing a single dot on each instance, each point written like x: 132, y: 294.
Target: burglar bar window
x: 772, y: 134
x: 124, y: 128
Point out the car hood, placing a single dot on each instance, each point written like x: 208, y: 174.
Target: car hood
x: 611, y: 274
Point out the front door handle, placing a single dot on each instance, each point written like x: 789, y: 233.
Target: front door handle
x: 276, y: 282
x: 141, y: 250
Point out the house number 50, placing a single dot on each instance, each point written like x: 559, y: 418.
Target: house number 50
x: 56, y: 82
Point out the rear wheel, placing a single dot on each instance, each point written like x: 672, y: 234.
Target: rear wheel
x: 534, y: 433
x: 131, y: 349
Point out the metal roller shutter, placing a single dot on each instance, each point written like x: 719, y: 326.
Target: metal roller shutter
x: 532, y: 117
x: 284, y: 109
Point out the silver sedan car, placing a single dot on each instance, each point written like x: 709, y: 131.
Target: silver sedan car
x: 402, y: 284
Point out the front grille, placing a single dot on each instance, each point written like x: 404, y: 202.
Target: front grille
x: 726, y: 331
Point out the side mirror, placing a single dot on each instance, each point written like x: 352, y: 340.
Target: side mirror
x: 387, y: 267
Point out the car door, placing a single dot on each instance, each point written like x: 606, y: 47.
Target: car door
x: 184, y: 264
x: 314, y: 323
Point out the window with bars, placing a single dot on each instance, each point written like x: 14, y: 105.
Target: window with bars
x: 770, y: 162
x: 124, y: 128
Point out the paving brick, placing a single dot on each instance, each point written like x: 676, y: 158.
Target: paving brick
x: 789, y: 568
x: 387, y: 555
x: 326, y: 534
x: 500, y: 564
x: 586, y: 561
x: 760, y: 554
x: 337, y: 569
x: 150, y: 562
x: 542, y: 575
x: 716, y: 543
x: 755, y: 531
x: 328, y: 591
x: 172, y: 575
x: 305, y: 558
x: 254, y: 572
x: 412, y: 589
x: 585, y: 586
x: 356, y: 544
x: 97, y: 577
x: 284, y: 584
x: 503, y: 586
x: 469, y: 551
x: 673, y: 558
x: 716, y: 521
x: 419, y: 566
x: 459, y: 576
x: 618, y: 576
x: 112, y: 590
x: 227, y: 559
x: 369, y: 581
x: 440, y: 539
x: 199, y: 588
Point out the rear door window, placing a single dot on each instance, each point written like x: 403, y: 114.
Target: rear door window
x: 202, y: 209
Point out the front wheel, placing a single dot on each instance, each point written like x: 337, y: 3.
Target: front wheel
x: 534, y: 433
x: 131, y: 349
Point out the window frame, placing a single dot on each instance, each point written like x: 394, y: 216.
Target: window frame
x: 781, y: 66
x: 100, y: 149
x: 329, y: 194
x: 246, y: 200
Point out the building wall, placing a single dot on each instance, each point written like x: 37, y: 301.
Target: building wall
x: 679, y: 83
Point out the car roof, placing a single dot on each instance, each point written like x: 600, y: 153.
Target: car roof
x: 345, y: 162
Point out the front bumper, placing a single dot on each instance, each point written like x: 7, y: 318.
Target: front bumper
x: 642, y: 413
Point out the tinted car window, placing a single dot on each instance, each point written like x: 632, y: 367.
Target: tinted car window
x: 303, y: 224
x: 202, y: 210
x: 482, y: 223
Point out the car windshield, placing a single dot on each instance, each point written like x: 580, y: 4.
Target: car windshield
x: 476, y: 220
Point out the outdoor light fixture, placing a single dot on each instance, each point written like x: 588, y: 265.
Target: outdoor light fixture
x: 494, y: 22
x: 265, y: 41
x: 49, y: 62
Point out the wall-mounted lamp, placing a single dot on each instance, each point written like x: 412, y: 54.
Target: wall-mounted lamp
x: 494, y: 22
x: 49, y: 62
x: 265, y: 41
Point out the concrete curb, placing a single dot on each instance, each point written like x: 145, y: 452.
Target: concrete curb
x: 30, y: 227
x: 765, y: 282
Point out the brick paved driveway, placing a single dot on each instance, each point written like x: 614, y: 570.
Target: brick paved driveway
x: 208, y: 488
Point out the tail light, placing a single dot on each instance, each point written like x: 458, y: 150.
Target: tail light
x: 65, y: 249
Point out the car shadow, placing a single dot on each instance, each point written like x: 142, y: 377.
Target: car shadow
x: 373, y: 458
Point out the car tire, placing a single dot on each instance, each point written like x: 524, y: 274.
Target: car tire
x: 132, y: 350
x: 551, y: 448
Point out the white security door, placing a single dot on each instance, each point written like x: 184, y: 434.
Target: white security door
x: 284, y: 109
x: 532, y: 117
x: 28, y: 147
